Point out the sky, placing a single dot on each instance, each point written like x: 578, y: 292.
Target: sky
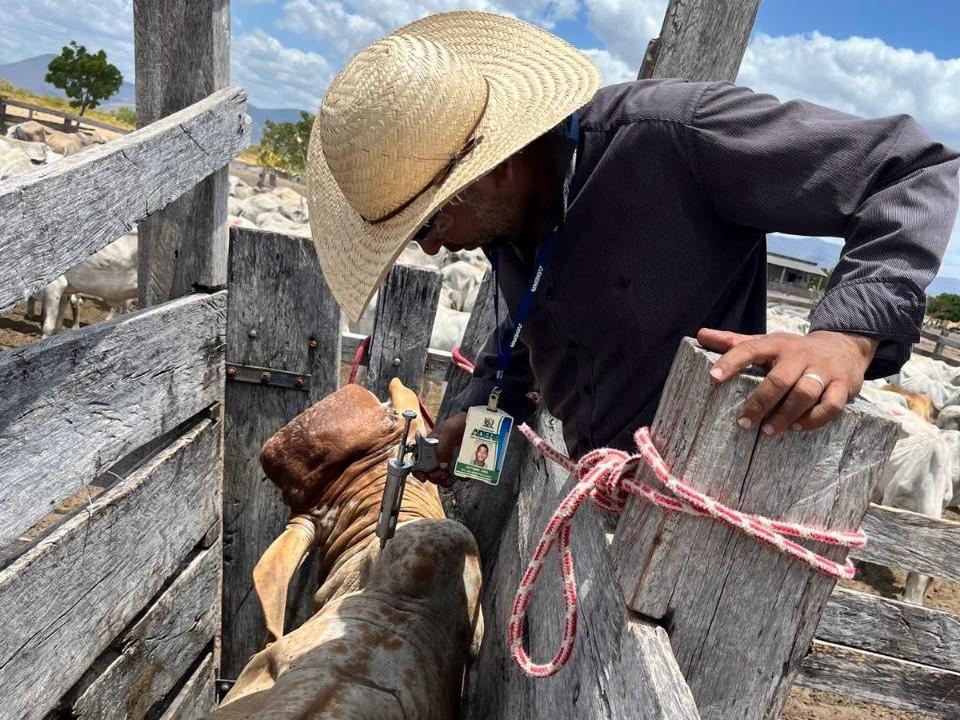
x: 869, y: 57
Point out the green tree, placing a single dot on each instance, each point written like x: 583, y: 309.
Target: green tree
x: 126, y: 115
x: 283, y: 145
x: 944, y: 307
x: 86, y: 79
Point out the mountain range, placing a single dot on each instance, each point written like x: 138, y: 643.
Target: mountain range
x: 28, y: 74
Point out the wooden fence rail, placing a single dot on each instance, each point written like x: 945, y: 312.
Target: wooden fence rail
x: 70, y: 120
x: 60, y: 214
x: 76, y: 403
x: 65, y: 599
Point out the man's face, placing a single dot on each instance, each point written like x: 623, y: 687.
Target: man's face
x: 482, y: 454
x: 481, y: 215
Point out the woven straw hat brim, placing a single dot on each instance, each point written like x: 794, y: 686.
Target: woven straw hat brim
x: 535, y: 80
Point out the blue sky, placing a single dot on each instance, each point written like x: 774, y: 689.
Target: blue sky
x: 871, y: 58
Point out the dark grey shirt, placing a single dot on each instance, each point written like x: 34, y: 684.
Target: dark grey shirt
x: 675, y: 186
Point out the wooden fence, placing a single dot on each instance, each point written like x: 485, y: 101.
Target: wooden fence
x: 69, y: 121
x: 111, y: 604
x: 630, y: 654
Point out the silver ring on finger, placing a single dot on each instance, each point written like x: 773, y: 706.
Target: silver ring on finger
x: 814, y: 376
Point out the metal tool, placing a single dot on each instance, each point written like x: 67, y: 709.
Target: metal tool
x: 423, y: 457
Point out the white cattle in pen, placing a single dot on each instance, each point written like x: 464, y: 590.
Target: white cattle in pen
x: 923, y: 472
x: 936, y: 379
x: 786, y: 318
x: 463, y: 281
x: 110, y: 274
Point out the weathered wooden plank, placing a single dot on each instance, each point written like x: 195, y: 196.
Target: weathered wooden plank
x: 65, y: 599
x: 75, y: 403
x: 198, y: 696
x: 703, y: 40
x: 435, y: 368
x: 406, y: 306
x: 912, y: 542
x: 278, y: 303
x: 739, y: 613
x: 154, y: 652
x: 623, y: 667
x: 60, y: 214
x: 882, y: 680
x: 476, y: 334
x: 889, y: 627
x: 182, y: 54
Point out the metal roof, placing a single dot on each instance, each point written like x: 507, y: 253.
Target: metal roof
x: 795, y: 264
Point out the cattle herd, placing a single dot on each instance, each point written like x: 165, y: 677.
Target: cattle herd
x: 924, y: 398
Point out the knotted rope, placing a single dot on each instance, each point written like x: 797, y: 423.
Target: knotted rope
x: 608, y: 477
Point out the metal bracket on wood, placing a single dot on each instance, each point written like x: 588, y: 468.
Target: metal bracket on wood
x: 268, y: 376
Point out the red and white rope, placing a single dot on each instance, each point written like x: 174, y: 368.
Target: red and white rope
x: 608, y: 477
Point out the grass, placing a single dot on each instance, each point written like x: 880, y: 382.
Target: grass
x: 250, y: 156
x: 120, y: 119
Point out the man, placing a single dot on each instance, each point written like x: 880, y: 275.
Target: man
x: 457, y: 129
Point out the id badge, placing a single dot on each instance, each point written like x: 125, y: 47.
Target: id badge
x: 484, y: 445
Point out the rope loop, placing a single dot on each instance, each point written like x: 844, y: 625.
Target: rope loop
x: 608, y: 477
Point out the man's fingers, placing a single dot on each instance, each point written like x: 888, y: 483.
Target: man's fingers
x: 778, y: 382
x: 720, y: 340
x: 804, y: 395
x: 830, y: 405
x: 757, y: 350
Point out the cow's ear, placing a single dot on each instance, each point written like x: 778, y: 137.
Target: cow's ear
x: 276, y: 567
x: 403, y: 398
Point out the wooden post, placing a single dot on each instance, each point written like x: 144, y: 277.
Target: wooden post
x: 701, y: 40
x: 478, y: 330
x: 623, y: 666
x: 281, y: 316
x: 406, y: 307
x: 182, y: 53
x: 740, y: 614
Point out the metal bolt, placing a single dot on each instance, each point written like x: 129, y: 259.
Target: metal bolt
x: 313, y: 344
x: 396, y: 362
x: 298, y: 383
x: 252, y: 333
x: 264, y: 377
x: 231, y: 372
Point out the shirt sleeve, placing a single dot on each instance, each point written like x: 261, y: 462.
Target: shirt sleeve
x: 880, y: 184
x: 518, y: 379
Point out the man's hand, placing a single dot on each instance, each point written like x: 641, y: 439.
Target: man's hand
x: 450, y: 434
x: 795, y: 399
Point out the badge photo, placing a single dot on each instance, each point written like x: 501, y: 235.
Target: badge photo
x: 484, y: 445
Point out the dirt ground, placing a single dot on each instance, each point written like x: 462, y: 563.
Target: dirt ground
x: 17, y: 329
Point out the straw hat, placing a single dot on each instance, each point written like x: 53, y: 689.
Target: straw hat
x: 415, y: 118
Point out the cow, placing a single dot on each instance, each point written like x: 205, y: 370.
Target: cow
x: 922, y: 474
x: 393, y: 628
x: 110, y: 274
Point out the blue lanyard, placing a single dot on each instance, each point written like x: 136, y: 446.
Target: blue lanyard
x: 523, y: 312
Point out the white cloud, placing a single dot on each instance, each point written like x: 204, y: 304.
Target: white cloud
x: 864, y: 76
x: 44, y: 26
x: 625, y: 27
x: 275, y: 75
x: 612, y: 69
x: 347, y: 26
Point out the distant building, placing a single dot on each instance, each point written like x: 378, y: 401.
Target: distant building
x: 789, y: 273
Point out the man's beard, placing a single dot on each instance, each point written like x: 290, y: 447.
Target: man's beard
x: 497, y: 223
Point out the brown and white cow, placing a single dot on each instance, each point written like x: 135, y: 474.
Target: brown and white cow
x: 393, y: 630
